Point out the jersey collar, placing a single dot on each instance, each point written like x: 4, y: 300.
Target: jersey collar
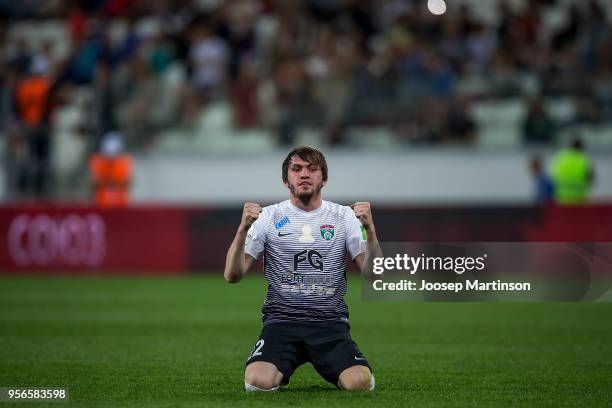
x: 300, y: 211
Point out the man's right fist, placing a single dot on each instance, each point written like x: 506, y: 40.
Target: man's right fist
x: 250, y: 213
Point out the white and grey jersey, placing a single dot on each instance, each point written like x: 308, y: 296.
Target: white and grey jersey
x: 305, y: 259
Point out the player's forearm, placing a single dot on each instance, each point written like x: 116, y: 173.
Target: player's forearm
x: 234, y: 262
x: 373, y: 250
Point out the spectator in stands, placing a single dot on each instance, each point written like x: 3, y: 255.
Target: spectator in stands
x: 438, y: 77
x: 238, y: 30
x: 330, y: 65
x: 45, y: 59
x: 452, y: 44
x: 460, y: 127
x: 538, y: 126
x: 161, y: 53
x: 138, y: 96
x: 481, y: 44
x: 81, y: 64
x: 244, y: 97
x: 15, y: 153
x: 505, y: 79
x: 103, y: 115
x: 294, y: 98
x: 33, y: 100
x: 572, y: 174
x: 587, y: 110
x: 111, y: 172
x: 19, y: 57
x: 208, y: 58
x: 543, y: 185
x: 602, y: 90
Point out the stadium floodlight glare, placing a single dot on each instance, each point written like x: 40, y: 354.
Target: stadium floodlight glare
x: 436, y: 7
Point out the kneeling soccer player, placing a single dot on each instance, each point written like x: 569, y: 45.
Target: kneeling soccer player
x: 305, y: 242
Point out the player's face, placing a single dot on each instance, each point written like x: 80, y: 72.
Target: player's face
x: 304, y: 179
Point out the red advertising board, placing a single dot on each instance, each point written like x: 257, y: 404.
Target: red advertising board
x: 60, y: 239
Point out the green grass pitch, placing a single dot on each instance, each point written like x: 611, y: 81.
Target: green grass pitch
x: 178, y: 342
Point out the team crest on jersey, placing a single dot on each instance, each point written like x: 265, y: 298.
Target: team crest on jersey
x: 327, y: 232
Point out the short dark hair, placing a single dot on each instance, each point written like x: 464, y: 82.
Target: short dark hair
x: 577, y: 143
x: 309, y: 154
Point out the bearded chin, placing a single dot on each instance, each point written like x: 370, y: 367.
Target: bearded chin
x: 306, y: 196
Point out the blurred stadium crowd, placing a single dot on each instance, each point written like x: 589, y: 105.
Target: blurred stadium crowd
x: 156, y: 69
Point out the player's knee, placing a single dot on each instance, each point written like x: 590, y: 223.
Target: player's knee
x: 356, y: 384
x: 261, y: 378
x: 356, y: 378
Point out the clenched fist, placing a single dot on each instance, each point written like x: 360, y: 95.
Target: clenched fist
x: 250, y: 213
x: 363, y: 211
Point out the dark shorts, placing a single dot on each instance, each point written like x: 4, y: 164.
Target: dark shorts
x: 327, y: 345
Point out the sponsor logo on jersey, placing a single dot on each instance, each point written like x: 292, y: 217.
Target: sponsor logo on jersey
x: 314, y: 259
x: 327, y: 232
x: 282, y: 222
x: 306, y: 279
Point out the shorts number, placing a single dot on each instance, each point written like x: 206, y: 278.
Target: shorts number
x: 257, y: 349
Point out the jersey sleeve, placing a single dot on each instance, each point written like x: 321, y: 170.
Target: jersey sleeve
x: 355, y: 237
x: 256, y: 237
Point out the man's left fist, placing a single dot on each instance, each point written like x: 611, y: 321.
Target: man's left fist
x: 363, y: 211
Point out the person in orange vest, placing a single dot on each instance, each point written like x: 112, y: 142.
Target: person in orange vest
x: 33, y: 102
x: 31, y: 97
x: 111, y: 171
